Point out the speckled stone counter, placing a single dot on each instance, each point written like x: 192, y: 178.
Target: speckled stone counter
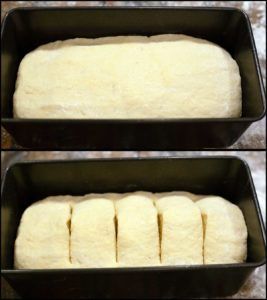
x: 255, y: 287
x: 254, y: 137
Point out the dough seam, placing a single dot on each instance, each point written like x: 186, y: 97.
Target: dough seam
x: 204, y: 219
x: 69, y: 227
x: 160, y: 222
x: 116, y: 232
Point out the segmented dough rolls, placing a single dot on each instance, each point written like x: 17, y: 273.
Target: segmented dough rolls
x: 172, y: 228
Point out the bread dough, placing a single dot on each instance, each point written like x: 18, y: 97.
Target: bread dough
x: 225, y: 231
x: 93, y: 237
x: 128, y: 77
x: 80, y: 231
x: 181, y: 231
x: 137, y: 233
x: 43, y: 235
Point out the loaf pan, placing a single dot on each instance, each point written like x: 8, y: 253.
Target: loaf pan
x: 228, y: 177
x: 24, y: 29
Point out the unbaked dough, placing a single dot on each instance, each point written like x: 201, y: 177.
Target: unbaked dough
x: 128, y: 77
x: 225, y: 231
x: 152, y: 229
x: 137, y: 231
x: 43, y: 235
x: 181, y: 231
x: 93, y: 236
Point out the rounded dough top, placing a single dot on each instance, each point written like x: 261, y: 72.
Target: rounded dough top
x: 135, y: 202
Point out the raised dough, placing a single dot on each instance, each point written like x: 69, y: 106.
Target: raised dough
x: 44, y: 239
x: 93, y: 237
x: 137, y: 234
x: 181, y: 231
x: 225, y: 231
x: 43, y: 236
x: 163, y: 76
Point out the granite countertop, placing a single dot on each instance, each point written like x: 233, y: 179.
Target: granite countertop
x: 254, y: 137
x: 255, y: 287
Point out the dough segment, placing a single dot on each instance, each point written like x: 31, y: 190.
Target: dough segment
x: 181, y: 231
x: 93, y: 237
x: 225, y: 231
x: 137, y: 235
x: 43, y: 236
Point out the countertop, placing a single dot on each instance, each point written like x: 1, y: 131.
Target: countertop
x: 255, y: 287
x: 254, y: 137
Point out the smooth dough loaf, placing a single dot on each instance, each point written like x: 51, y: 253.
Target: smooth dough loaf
x: 137, y: 233
x: 181, y: 231
x: 93, y: 236
x: 43, y: 236
x: 225, y: 231
x: 127, y: 77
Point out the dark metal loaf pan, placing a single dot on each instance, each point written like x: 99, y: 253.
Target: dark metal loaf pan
x: 229, y: 177
x: 24, y: 29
